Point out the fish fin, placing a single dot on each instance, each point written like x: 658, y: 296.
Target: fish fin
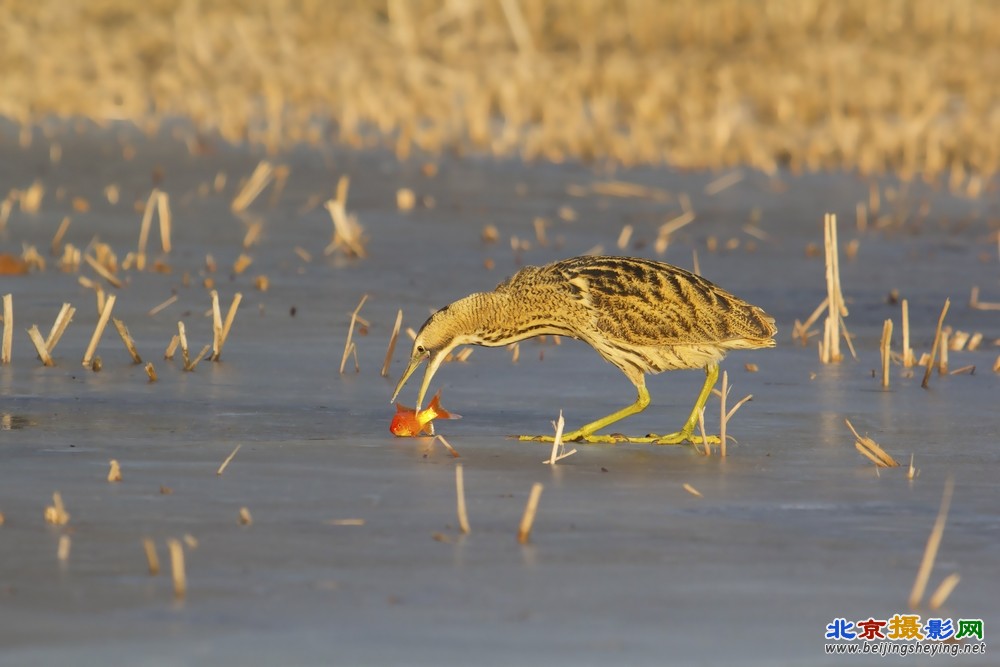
x: 402, y: 408
x: 439, y: 412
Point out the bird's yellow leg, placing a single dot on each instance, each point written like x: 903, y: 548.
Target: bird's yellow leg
x: 586, y: 433
x: 686, y: 434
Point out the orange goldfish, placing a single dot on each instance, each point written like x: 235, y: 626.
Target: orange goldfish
x: 408, y: 423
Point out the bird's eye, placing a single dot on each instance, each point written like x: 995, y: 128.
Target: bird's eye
x: 421, y: 349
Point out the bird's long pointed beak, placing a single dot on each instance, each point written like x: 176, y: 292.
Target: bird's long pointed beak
x: 413, y: 365
x: 432, y: 366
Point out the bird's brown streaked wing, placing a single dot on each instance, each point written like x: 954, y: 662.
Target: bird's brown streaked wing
x: 648, y: 303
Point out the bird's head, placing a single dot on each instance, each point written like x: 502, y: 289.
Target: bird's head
x: 442, y: 332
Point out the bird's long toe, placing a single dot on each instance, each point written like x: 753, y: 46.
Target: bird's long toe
x: 682, y: 437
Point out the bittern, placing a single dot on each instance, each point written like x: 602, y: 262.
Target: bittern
x: 640, y: 315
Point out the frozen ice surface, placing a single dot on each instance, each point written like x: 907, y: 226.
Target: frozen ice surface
x: 794, y: 528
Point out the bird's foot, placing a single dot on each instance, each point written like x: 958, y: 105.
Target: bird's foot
x: 575, y: 436
x: 679, y: 438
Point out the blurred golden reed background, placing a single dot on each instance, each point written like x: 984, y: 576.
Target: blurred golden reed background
x: 911, y: 86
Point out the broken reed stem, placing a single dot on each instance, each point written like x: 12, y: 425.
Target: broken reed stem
x: 704, y: 437
x: 152, y: 559
x: 350, y: 334
x: 103, y: 272
x: 177, y: 572
x: 182, y: 338
x: 88, y: 356
x: 156, y: 309
x: 669, y: 227
x: 871, y: 449
x: 114, y: 471
x: 624, y: 236
x: 943, y: 353
x: 222, y: 468
x: 723, y: 182
x: 392, y: 343
x: 216, y: 323
x: 258, y: 180
x: 974, y: 301
x: 43, y: 353
x: 934, y: 348
x: 58, y: 237
x: 885, y: 347
x: 835, y: 305
x: 528, y: 518
x: 558, y: 446
x: 62, y: 551
x: 693, y: 491
x: 228, y: 324
x: 907, y: 350
x: 191, y: 365
x: 56, y: 513
x: 151, y: 372
x: 163, y: 212
x: 463, y: 517
x: 127, y: 339
x: 944, y: 589
x: 802, y: 330
x: 933, y: 542
x: 63, y: 319
x: 147, y: 221
x: 559, y: 424
x: 8, y: 328
x: 447, y: 445
x: 175, y: 340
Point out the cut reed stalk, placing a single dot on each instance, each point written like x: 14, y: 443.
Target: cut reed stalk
x: 392, y: 344
x: 463, y: 517
x: 693, y: 491
x: 88, y: 356
x: 835, y: 298
x: 177, y: 569
x: 447, y: 445
x: 943, y: 591
x: 259, y: 179
x: 102, y: 271
x: 933, y: 543
x: 934, y: 348
x: 348, y: 344
x: 166, y: 220
x: 942, y: 366
x: 908, y: 360
x: 175, y: 340
x: 56, y: 513
x: 56, y: 247
x: 62, y: 551
x: 528, y: 518
x: 886, y: 352
x: 62, y: 321
x: 872, y: 450
x: 127, y: 339
x: 225, y: 464
x: 152, y: 559
x: 161, y: 306
x: 147, y: 221
x: 43, y: 352
x: 723, y: 182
